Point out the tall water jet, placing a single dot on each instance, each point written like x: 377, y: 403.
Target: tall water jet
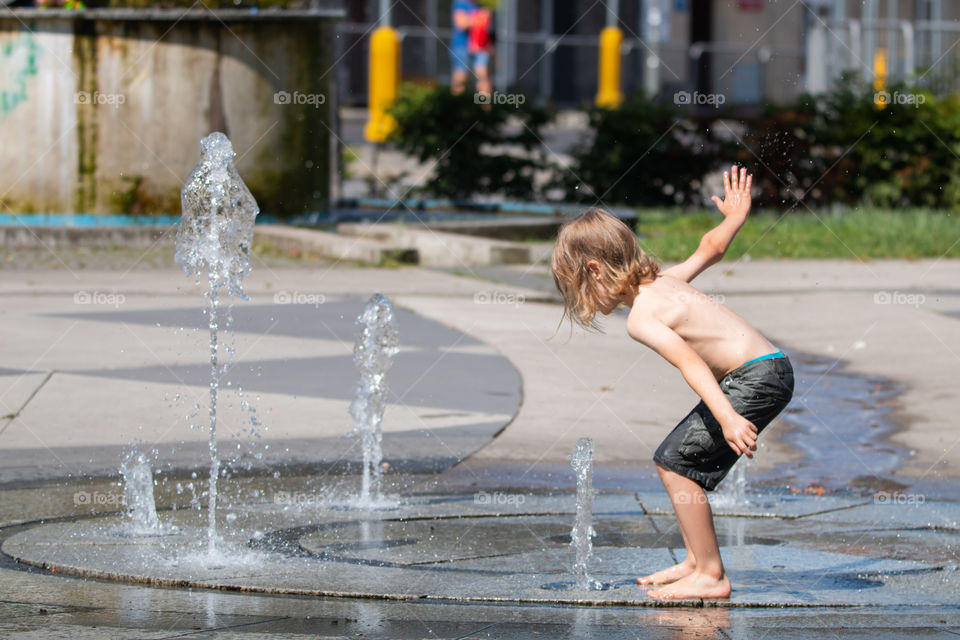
x: 373, y: 352
x: 214, y: 240
x: 581, y: 537
x: 138, y: 495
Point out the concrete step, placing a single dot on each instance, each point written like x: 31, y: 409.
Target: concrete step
x: 332, y: 245
x: 440, y: 248
x: 91, y: 237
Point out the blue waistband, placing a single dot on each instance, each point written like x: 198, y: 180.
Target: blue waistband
x: 769, y: 356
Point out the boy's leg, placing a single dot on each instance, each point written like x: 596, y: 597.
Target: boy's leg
x: 683, y: 568
x: 708, y: 579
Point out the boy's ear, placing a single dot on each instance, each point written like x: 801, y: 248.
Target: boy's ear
x: 594, y: 268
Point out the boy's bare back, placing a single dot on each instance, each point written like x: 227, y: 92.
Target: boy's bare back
x: 720, y: 337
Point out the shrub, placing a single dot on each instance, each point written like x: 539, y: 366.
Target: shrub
x: 642, y: 154
x: 473, y: 149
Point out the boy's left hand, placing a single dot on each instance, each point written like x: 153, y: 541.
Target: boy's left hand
x: 741, y: 435
x: 736, y: 193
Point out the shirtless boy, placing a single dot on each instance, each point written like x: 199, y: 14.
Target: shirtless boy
x: 742, y: 379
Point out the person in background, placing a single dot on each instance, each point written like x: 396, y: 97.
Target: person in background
x: 471, y: 45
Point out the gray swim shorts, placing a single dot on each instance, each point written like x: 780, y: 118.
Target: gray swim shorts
x: 696, y: 449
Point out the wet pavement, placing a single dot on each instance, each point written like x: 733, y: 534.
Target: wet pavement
x: 483, y: 413
x: 447, y: 564
x: 505, y: 547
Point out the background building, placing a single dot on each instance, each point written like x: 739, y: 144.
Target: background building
x: 749, y: 50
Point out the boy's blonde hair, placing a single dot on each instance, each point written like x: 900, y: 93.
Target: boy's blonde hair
x: 597, y: 235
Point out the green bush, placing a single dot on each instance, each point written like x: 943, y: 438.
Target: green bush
x: 831, y: 149
x: 642, y: 153
x: 472, y: 149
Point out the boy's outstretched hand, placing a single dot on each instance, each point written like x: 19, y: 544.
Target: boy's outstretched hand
x: 736, y: 193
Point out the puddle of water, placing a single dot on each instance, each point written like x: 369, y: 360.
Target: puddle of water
x: 839, y: 421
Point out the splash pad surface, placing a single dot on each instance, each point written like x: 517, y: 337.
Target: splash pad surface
x: 457, y: 547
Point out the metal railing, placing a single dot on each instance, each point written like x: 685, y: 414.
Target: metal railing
x: 917, y: 50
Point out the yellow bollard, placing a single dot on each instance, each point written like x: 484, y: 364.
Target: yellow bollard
x: 608, y: 76
x: 384, y: 75
x: 880, y: 95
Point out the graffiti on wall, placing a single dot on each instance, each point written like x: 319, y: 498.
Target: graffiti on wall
x: 18, y: 62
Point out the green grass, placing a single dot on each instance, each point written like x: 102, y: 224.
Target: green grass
x: 857, y: 234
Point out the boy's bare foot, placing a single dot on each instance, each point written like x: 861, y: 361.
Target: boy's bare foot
x: 668, y: 575
x: 695, y: 585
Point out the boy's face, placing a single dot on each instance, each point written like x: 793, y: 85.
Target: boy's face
x: 604, y: 302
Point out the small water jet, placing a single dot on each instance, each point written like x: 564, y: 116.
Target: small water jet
x: 138, y: 497
x: 376, y: 344
x: 214, y: 239
x: 732, y: 492
x: 581, y: 537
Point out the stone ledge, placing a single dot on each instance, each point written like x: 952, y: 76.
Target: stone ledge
x: 331, y: 245
x: 440, y: 248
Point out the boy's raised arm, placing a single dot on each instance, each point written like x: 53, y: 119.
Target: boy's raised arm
x: 713, y: 245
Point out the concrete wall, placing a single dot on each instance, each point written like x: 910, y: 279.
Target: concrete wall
x: 103, y: 111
